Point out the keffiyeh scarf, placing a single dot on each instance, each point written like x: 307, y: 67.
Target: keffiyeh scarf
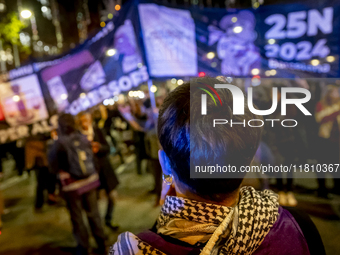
x: 220, y: 229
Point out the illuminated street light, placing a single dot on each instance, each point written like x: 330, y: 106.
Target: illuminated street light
x: 237, y: 29
x: 330, y: 59
x: 315, y: 62
x: 2, y: 7
x: 210, y: 55
x: 271, y: 41
x: 180, y: 82
x: 26, y: 14
x: 63, y: 96
x: 272, y: 72
x: 153, y: 89
x: 16, y: 98
x: 141, y: 94
x: 255, y: 71
x: 111, y: 52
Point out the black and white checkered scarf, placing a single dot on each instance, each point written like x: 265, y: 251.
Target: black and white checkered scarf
x: 220, y: 229
x: 225, y: 230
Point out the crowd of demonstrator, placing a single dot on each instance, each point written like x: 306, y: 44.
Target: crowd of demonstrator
x: 74, y: 161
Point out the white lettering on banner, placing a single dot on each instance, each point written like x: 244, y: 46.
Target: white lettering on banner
x: 125, y: 83
x: 108, y: 28
x: 41, y: 128
x: 37, y: 129
x: 138, y: 77
x: 275, y: 64
x: 301, y: 51
x: 22, y: 131
x: 22, y: 71
x: 94, y: 97
x: 115, y: 87
x: 296, y: 25
x: 40, y: 65
x: 316, y: 21
x: 54, y: 121
x: 104, y: 91
x: 12, y: 134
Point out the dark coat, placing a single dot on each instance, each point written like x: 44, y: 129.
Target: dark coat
x: 108, y: 178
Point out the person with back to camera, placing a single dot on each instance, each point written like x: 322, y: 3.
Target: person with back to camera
x: 71, y: 157
x: 215, y: 216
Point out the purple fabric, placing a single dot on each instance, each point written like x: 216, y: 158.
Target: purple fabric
x: 90, y: 186
x: 285, y: 238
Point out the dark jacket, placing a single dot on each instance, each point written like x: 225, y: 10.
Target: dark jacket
x: 108, y: 178
x: 58, y: 158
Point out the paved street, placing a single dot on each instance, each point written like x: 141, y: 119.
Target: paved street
x: 49, y: 231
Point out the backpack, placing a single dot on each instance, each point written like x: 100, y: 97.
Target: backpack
x: 79, y: 154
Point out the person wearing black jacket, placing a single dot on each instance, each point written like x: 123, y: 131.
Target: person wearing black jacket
x: 78, y: 182
x: 101, y: 149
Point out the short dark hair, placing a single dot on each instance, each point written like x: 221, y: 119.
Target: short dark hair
x: 66, y: 124
x: 223, y: 145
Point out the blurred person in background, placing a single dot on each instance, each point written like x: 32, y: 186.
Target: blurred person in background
x: 36, y: 158
x: 152, y: 147
x: 215, y: 216
x: 288, y: 145
x: 101, y: 150
x: 112, y: 115
x: 327, y: 115
x: 132, y: 114
x: 72, y: 158
x: 2, y: 201
x: 17, y: 150
x: 139, y: 109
